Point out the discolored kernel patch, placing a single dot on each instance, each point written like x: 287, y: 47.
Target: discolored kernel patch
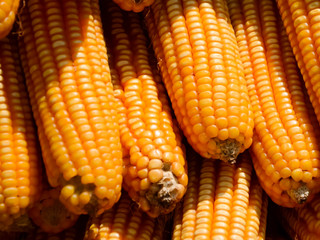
x: 92, y: 207
x: 227, y: 150
x: 163, y: 195
x: 300, y: 195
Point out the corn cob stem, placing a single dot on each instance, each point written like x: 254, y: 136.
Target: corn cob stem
x: 201, y: 68
x: 69, y: 84
x: 154, y: 172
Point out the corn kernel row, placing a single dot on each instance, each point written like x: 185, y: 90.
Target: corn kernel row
x: 221, y: 202
x: 302, y: 223
x: 125, y: 221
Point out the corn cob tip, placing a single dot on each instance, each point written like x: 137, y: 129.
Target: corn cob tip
x: 87, y: 200
x: 50, y: 214
x: 299, y: 195
x: 229, y: 150
x: 164, y: 195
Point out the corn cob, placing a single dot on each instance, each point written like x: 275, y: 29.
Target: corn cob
x: 154, y: 174
x: 201, y: 68
x: 302, y: 223
x: 75, y: 232
x: 133, y: 5
x: 125, y: 221
x: 285, y: 151
x: 65, y: 61
x: 221, y: 202
x: 20, y: 165
x: 301, y: 21
x: 8, y: 10
x: 50, y: 214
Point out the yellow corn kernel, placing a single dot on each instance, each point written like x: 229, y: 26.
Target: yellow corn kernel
x: 8, y: 11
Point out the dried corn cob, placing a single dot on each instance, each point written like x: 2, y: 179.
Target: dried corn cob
x: 221, y: 202
x: 125, y: 221
x: 301, y: 21
x: 154, y: 174
x: 133, y: 5
x: 73, y: 233
x: 50, y: 214
x: 201, y: 68
x: 302, y: 223
x: 68, y: 78
x: 8, y: 10
x: 20, y: 165
x: 285, y: 150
